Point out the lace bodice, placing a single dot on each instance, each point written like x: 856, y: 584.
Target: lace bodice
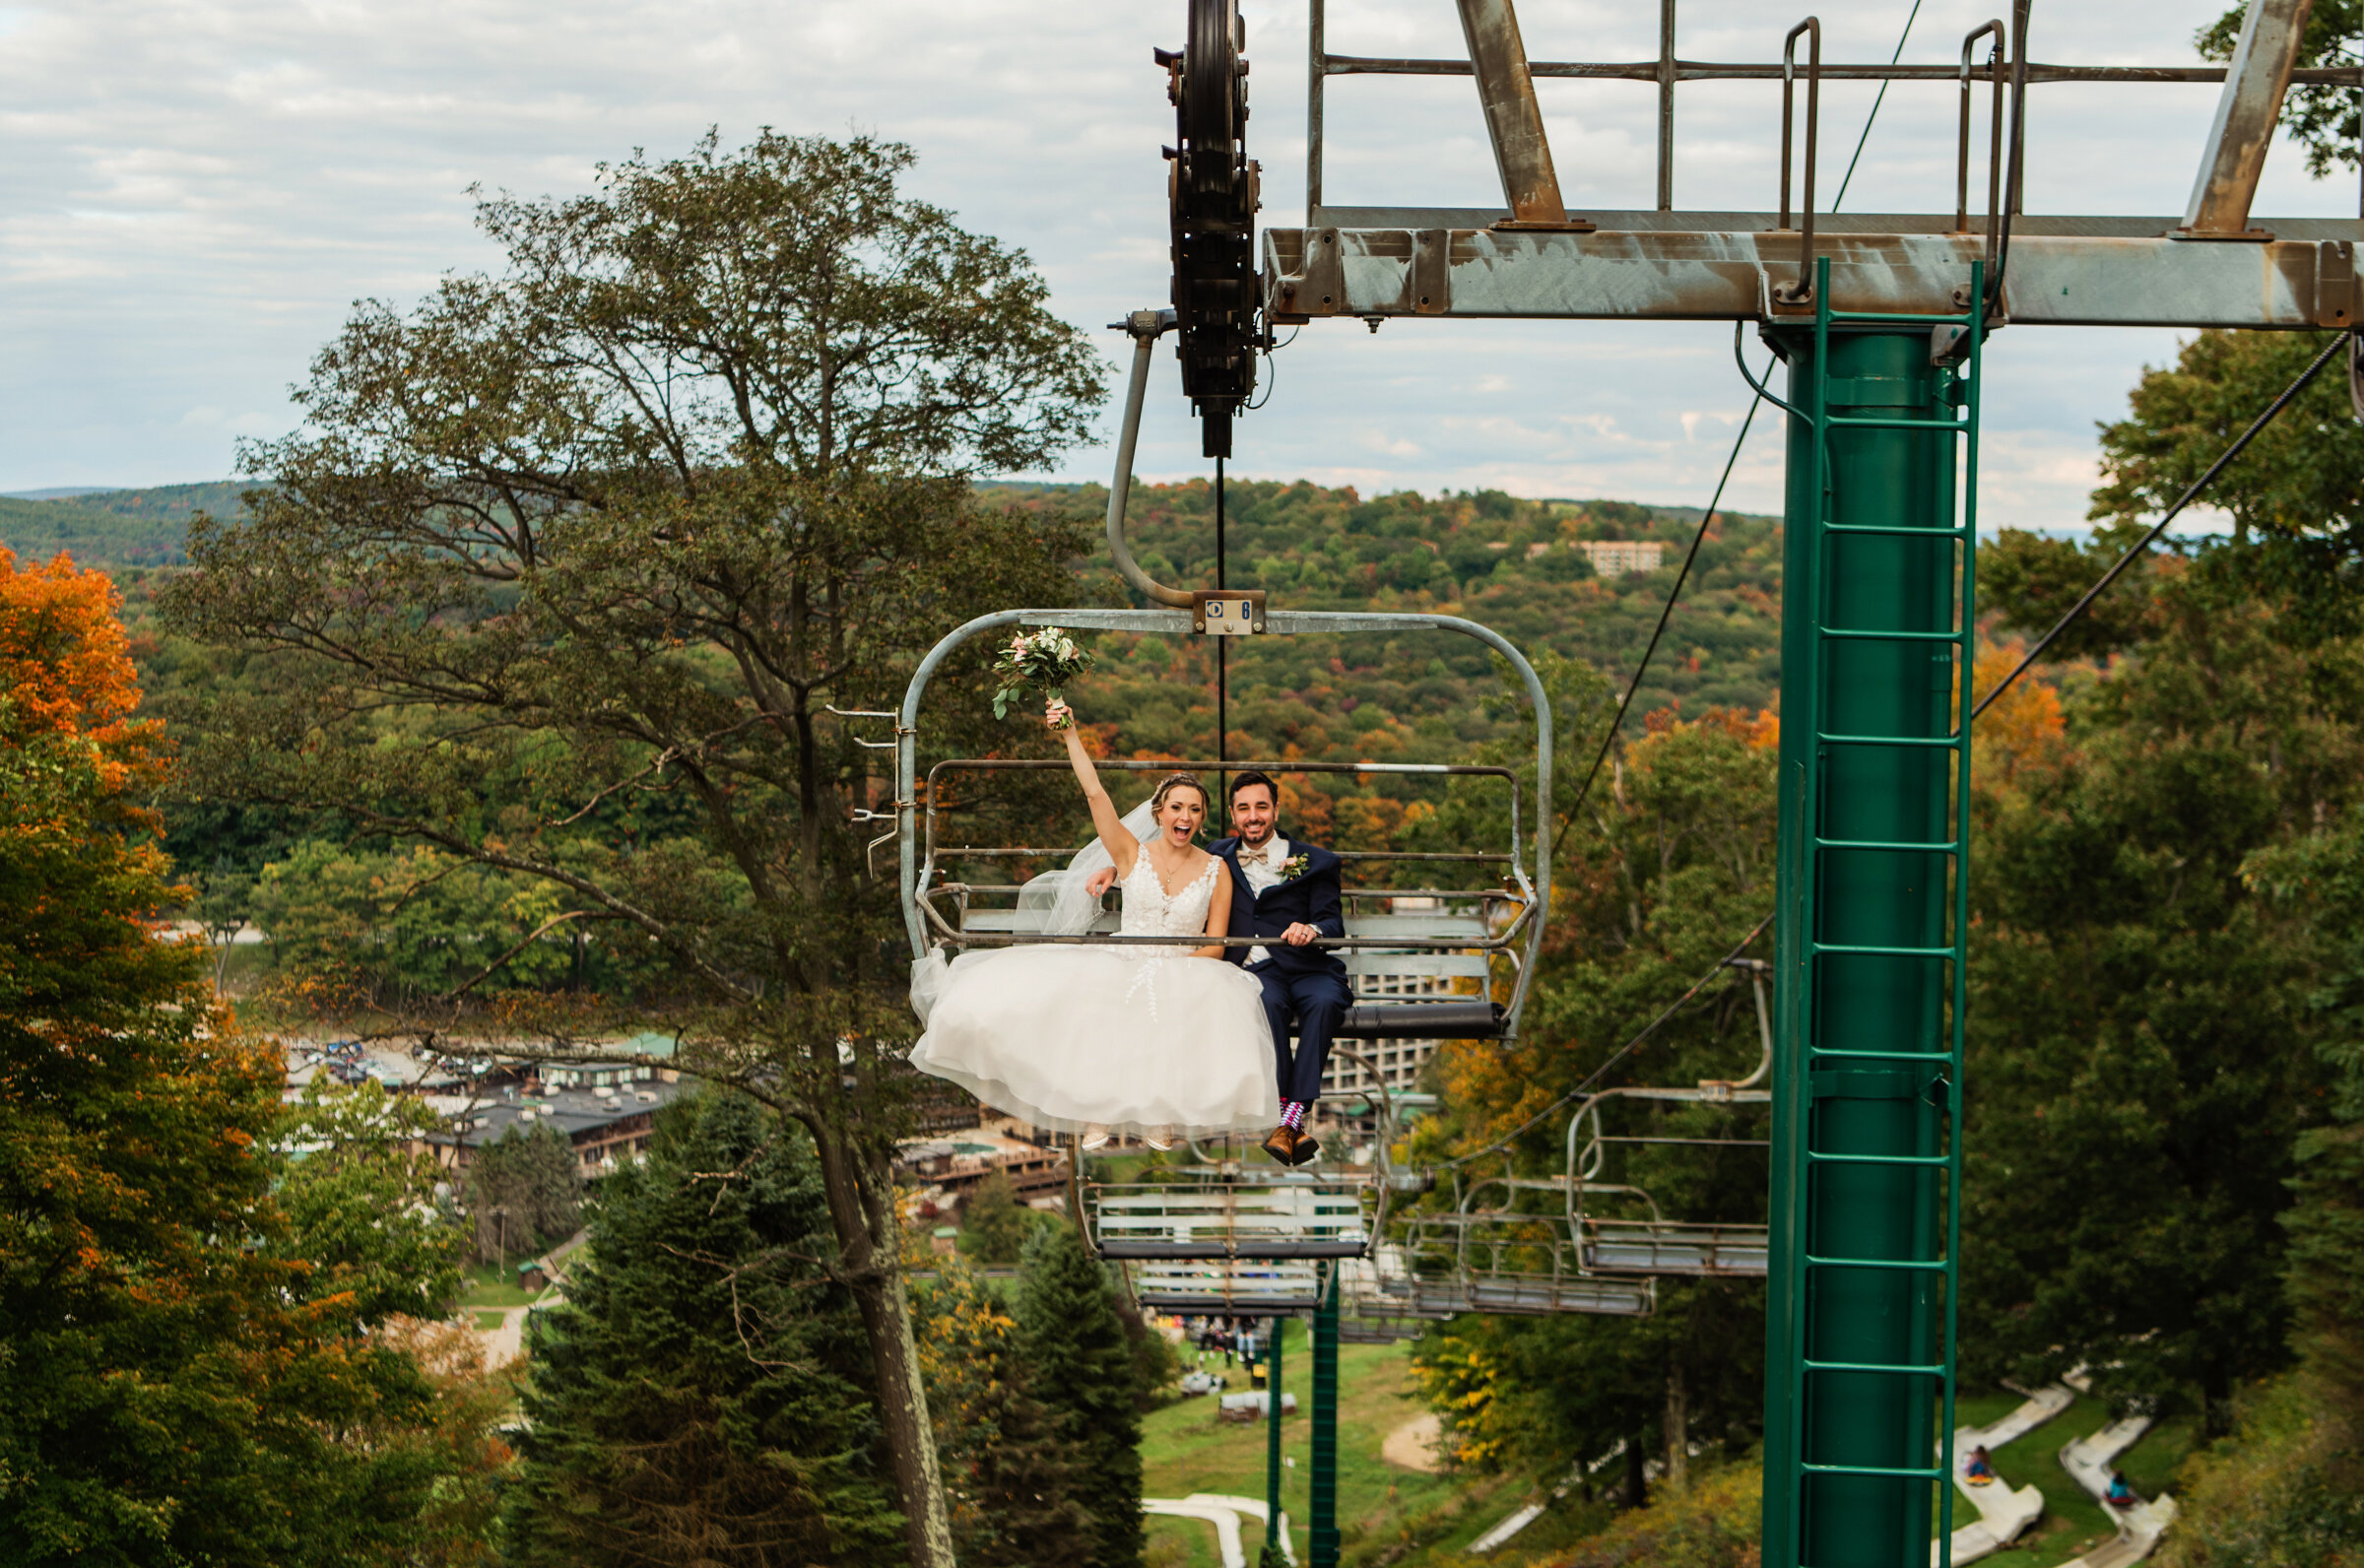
x: 1151, y: 912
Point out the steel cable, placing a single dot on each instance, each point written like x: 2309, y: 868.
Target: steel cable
x: 1614, y: 1057
x: 1666, y: 611
x: 1877, y: 102
x: 2273, y: 409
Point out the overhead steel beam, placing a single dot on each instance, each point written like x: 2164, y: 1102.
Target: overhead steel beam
x: 2082, y: 278
x: 2246, y: 114
x: 1514, y: 121
x: 2038, y: 73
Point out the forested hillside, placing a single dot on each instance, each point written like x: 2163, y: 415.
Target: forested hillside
x: 1509, y: 563
x: 113, y: 529
x: 1491, y: 558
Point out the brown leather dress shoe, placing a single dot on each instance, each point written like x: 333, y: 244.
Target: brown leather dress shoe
x: 1281, y: 1145
x: 1307, y: 1149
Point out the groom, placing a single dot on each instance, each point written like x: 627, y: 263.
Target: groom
x: 1294, y: 898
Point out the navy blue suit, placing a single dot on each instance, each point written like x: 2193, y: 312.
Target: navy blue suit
x: 1302, y: 986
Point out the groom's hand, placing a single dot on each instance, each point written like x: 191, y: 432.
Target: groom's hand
x: 1297, y: 935
x: 1101, y: 880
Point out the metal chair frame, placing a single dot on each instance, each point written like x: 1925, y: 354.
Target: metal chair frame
x: 1528, y: 858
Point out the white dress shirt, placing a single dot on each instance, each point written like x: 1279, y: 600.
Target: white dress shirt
x: 1261, y: 868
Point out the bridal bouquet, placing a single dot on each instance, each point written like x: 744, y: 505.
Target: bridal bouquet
x: 1042, y: 660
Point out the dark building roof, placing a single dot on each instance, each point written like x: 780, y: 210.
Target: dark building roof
x: 579, y: 1113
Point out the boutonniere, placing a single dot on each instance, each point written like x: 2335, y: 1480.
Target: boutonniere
x: 1295, y: 867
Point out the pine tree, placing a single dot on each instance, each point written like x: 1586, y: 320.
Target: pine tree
x: 705, y: 1396
x: 1081, y: 1369
x: 525, y: 1190
x: 1011, y: 1477
x: 996, y: 1219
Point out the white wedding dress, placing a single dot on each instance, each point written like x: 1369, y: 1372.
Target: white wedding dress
x: 1130, y: 1037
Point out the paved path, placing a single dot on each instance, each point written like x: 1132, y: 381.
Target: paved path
x: 1223, y: 1513
x: 2089, y: 1461
x: 1252, y: 1508
x: 2004, y: 1515
x: 506, y: 1343
x: 1413, y: 1445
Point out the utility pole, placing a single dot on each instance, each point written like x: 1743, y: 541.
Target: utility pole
x: 1320, y: 1524
x: 1272, y: 1435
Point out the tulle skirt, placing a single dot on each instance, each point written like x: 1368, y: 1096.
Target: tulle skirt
x: 1069, y: 1036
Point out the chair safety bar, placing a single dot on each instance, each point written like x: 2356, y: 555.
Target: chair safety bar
x: 1529, y: 860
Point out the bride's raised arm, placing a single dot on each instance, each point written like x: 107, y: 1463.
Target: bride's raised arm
x: 1111, y: 824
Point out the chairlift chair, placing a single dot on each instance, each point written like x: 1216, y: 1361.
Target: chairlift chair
x: 1196, y: 1241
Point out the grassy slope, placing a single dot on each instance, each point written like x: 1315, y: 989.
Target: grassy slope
x: 1381, y: 1508
x: 492, y: 1285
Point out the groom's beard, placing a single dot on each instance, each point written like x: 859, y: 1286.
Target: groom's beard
x: 1246, y: 842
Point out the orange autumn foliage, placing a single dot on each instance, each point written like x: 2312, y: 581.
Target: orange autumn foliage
x: 2027, y: 725
x: 65, y: 667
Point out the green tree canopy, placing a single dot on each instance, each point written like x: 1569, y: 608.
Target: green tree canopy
x: 1669, y: 867
x: 525, y: 1190
x: 994, y: 1219
x: 1017, y: 1484
x: 2296, y: 495
x: 202, y: 1352
x: 2320, y: 115
x: 2139, y: 1059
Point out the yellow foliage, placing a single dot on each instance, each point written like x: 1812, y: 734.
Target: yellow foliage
x: 2025, y: 728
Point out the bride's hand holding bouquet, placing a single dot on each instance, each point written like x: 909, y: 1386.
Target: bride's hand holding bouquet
x: 1044, y: 660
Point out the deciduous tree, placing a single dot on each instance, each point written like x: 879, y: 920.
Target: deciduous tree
x: 639, y: 519
x: 199, y: 1348
x: 525, y: 1190
x: 1017, y: 1485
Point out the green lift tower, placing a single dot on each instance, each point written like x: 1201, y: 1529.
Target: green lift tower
x: 1884, y: 322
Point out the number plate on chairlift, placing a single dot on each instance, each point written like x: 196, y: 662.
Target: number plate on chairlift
x: 1227, y: 611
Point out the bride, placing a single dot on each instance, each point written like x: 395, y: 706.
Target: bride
x: 1131, y: 1037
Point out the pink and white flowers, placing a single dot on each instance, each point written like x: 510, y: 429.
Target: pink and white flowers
x: 1043, y: 660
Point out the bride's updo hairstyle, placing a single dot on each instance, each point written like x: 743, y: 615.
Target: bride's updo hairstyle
x: 1177, y: 781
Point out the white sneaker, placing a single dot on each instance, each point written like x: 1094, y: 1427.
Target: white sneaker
x: 1094, y: 1136
x: 1158, y: 1138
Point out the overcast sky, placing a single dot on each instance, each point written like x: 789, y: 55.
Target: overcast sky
x: 196, y: 190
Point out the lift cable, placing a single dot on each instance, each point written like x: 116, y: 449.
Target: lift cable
x: 2273, y: 409
x: 1616, y: 720
x: 1666, y: 611
x: 1877, y: 102
x: 1614, y: 1057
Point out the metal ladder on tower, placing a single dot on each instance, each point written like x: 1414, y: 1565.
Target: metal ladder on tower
x: 1867, y: 1204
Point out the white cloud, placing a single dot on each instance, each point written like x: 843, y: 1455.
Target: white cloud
x: 192, y: 193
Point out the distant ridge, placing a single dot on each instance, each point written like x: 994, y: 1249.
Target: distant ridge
x: 113, y: 528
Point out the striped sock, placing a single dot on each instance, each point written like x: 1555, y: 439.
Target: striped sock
x: 1292, y: 1114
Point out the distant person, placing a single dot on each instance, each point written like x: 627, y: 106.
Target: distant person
x: 1979, y: 1469
x: 2119, y: 1494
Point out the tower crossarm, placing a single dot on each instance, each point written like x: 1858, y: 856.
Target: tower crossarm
x: 1377, y: 262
